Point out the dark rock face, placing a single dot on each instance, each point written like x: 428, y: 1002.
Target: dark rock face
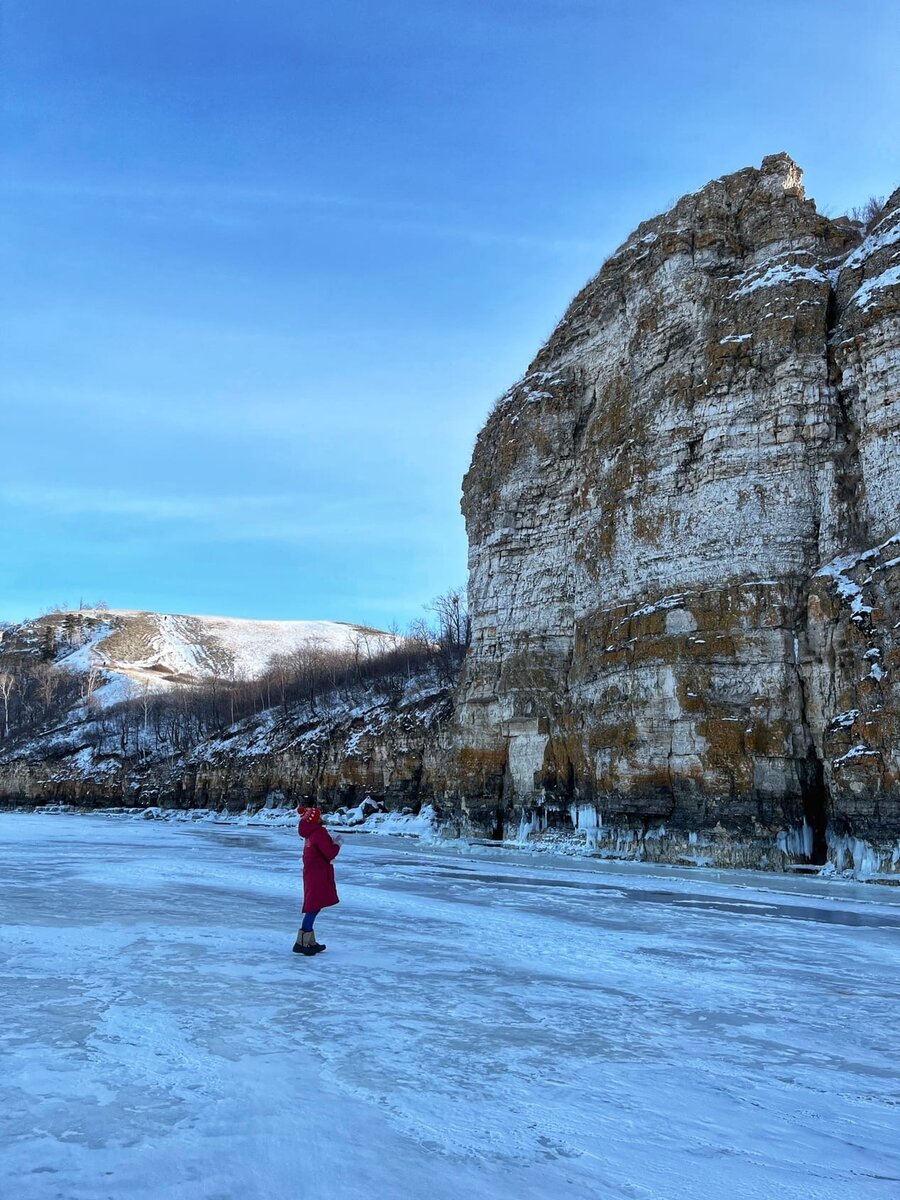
x: 661, y: 651
x: 338, y: 758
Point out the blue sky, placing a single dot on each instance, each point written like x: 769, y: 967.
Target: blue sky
x: 266, y: 265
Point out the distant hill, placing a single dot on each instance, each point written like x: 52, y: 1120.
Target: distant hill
x: 127, y: 651
x: 104, y: 708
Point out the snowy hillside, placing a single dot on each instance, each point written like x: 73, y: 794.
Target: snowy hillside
x: 130, y: 650
x: 111, y: 707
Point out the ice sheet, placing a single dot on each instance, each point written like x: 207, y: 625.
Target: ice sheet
x: 481, y: 1026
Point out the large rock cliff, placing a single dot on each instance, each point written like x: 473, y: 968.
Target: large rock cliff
x: 684, y: 565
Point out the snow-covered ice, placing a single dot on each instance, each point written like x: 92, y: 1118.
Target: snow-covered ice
x: 482, y: 1025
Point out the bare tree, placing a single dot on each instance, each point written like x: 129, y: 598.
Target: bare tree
x: 145, y: 709
x: 48, y: 682
x: 454, y: 630
x: 7, y: 684
x: 869, y: 212
x: 454, y: 624
x: 89, y: 683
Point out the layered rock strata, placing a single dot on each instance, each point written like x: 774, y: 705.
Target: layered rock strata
x: 683, y: 584
x: 378, y: 748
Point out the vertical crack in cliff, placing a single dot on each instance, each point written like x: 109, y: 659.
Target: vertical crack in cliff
x: 811, y: 770
x: 849, y: 528
x: 848, y: 468
x: 584, y: 395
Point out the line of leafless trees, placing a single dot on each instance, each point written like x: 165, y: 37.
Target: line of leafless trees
x: 33, y: 694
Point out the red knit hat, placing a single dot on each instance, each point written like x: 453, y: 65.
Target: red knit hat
x: 309, y: 814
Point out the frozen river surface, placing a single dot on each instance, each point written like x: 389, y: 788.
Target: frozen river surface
x: 480, y: 1026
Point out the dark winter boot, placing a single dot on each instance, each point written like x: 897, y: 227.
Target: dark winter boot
x: 307, y: 945
x: 301, y: 946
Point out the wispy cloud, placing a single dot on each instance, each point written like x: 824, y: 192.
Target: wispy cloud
x: 215, y: 201
x: 194, y: 193
x: 286, y: 518
x: 350, y: 423
x: 101, y: 502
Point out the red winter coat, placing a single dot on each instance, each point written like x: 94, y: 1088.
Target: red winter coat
x: 319, y: 848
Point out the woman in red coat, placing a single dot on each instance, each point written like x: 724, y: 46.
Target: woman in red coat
x: 319, y: 891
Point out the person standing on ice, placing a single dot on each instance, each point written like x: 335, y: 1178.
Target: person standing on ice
x: 319, y: 890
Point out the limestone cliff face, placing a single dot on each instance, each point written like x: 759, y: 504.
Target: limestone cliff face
x: 683, y: 625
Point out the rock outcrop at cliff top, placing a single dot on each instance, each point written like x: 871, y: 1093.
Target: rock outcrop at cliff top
x: 684, y: 553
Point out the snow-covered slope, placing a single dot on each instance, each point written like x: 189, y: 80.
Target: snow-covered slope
x: 132, y: 649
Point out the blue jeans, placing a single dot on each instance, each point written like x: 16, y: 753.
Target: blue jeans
x: 308, y: 919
